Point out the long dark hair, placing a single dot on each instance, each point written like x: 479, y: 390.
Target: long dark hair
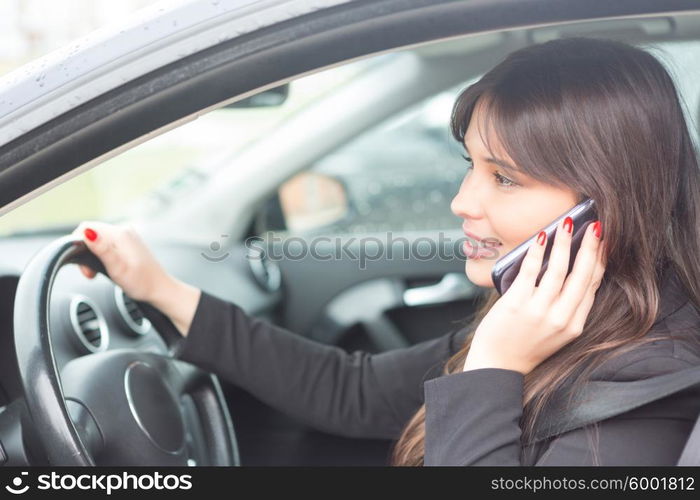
x: 603, y: 118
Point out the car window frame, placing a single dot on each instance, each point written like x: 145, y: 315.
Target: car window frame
x: 117, y: 120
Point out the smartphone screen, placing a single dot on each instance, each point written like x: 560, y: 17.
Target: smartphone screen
x: 507, y: 267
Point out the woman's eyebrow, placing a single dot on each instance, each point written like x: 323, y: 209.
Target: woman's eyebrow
x: 501, y: 163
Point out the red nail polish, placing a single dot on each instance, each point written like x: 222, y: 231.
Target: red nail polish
x: 597, y: 229
x: 541, y: 238
x: 568, y: 224
x: 90, y: 234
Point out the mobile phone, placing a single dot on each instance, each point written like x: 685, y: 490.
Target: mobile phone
x: 507, y: 267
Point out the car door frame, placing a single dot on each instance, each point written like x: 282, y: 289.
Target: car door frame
x: 264, y: 58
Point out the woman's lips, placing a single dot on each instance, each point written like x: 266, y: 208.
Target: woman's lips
x: 482, y: 242
x: 476, y: 252
x: 475, y: 247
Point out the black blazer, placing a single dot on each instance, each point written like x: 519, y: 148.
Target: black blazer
x: 472, y: 417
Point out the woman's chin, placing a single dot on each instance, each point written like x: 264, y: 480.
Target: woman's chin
x: 478, y: 271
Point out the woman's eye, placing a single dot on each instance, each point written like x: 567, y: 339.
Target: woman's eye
x: 500, y: 179
x: 504, y: 181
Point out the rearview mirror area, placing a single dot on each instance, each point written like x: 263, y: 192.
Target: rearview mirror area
x: 306, y: 202
x: 311, y: 200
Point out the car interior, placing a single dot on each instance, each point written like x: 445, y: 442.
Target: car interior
x: 358, y: 151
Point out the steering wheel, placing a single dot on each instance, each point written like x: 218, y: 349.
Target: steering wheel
x: 119, y: 406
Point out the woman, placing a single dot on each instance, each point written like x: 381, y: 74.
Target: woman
x: 547, y: 127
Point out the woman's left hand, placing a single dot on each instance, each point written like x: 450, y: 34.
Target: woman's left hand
x: 529, y: 323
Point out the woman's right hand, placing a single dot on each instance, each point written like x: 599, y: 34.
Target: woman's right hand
x: 127, y: 259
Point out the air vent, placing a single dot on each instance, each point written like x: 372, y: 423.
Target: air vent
x: 131, y: 313
x: 266, y: 272
x: 89, y: 324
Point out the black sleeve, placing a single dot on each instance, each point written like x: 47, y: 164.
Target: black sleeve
x: 356, y: 394
x: 472, y: 418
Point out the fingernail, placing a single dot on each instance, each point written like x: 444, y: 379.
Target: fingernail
x: 568, y: 224
x: 90, y: 234
x: 541, y: 238
x: 597, y: 229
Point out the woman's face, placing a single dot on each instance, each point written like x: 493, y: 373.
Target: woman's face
x: 502, y: 206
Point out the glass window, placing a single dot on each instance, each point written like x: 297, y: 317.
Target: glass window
x: 154, y: 174
x: 398, y: 176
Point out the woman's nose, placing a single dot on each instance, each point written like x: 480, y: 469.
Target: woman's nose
x: 466, y: 203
